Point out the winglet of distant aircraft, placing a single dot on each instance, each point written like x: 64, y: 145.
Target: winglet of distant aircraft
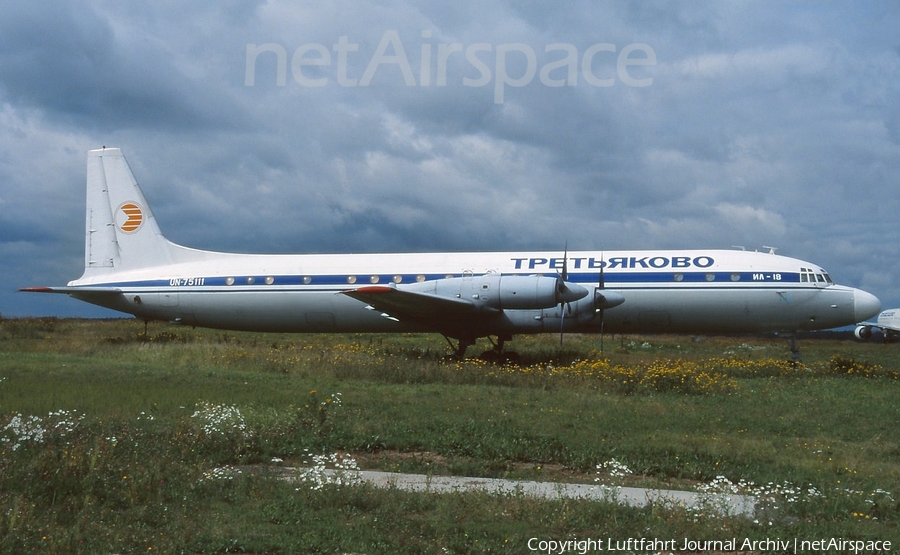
x: 130, y: 266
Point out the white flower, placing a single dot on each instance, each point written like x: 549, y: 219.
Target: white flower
x: 220, y: 473
x: 614, y: 468
x: 345, y: 471
x: 221, y: 420
x: 35, y: 429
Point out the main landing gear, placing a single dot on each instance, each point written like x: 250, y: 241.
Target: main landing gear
x: 495, y: 356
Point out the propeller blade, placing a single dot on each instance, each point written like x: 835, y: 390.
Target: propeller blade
x: 601, y: 284
x: 562, y: 321
x: 601, y: 331
x: 563, y: 277
x: 563, y: 288
x: 602, y: 279
x: 604, y: 300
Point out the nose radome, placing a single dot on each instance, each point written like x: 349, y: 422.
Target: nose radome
x: 865, y: 305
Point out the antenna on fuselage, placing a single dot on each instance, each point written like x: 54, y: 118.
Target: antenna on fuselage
x: 771, y: 249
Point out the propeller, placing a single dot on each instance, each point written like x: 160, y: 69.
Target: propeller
x: 604, y: 299
x: 601, y: 285
x: 565, y: 294
x: 561, y: 289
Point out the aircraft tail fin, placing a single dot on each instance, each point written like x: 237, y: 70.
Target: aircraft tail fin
x: 120, y: 230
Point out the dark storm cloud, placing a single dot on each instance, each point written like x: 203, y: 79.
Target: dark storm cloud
x: 68, y: 61
x: 765, y: 124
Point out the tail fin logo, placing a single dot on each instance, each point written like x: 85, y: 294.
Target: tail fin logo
x: 129, y: 217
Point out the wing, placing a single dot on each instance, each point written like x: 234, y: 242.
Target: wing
x: 422, y: 308
x: 880, y: 326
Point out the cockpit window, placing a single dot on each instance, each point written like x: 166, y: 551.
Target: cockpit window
x: 808, y: 275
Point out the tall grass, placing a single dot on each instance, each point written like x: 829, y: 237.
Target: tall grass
x: 174, y: 440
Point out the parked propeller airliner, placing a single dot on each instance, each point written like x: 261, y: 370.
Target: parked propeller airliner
x: 131, y: 267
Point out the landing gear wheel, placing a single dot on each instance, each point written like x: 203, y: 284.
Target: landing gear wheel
x: 511, y: 358
x: 492, y: 356
x: 501, y: 357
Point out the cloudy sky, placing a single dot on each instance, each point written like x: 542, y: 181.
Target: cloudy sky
x: 392, y: 126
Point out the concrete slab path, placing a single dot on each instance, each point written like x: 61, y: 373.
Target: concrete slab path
x: 722, y: 503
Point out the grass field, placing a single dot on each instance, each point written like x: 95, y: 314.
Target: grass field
x: 174, y: 441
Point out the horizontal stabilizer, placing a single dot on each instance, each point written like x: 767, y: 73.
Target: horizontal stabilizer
x: 74, y: 290
x: 109, y: 297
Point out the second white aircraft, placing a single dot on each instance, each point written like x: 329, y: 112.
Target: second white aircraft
x: 888, y: 323
x: 131, y: 267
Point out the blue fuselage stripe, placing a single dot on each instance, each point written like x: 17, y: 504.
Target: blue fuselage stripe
x: 611, y: 279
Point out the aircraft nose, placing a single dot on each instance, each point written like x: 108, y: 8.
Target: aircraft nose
x: 865, y: 305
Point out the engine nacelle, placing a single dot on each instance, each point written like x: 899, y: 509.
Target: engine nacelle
x: 499, y: 292
x: 863, y: 333
x: 529, y: 292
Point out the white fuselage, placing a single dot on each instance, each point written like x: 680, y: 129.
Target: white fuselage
x: 890, y: 319
x: 703, y: 291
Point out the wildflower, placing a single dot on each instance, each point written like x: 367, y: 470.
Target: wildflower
x: 220, y: 473
x: 344, y: 471
x: 614, y: 468
x: 221, y: 420
x: 34, y: 429
x: 25, y: 430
